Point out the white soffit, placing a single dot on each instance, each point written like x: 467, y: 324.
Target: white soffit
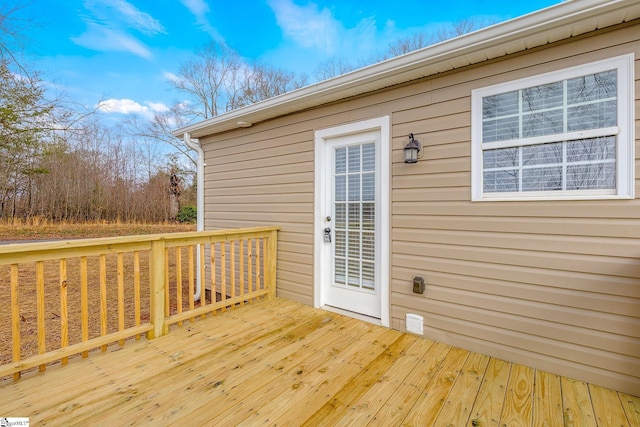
x: 567, y: 19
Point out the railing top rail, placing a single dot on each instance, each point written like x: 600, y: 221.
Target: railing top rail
x: 14, y: 252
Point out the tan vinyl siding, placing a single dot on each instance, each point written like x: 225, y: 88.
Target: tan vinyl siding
x: 551, y: 284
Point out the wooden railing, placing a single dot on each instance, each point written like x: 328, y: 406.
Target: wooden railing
x: 65, y: 298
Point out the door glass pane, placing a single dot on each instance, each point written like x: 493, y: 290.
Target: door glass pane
x: 354, y: 187
x: 368, y: 275
x: 341, y: 215
x: 340, y: 271
x: 341, y: 160
x: 353, y: 273
x: 368, y: 247
x: 354, y: 210
x: 368, y: 187
x: 354, y: 159
x: 354, y: 245
x: 354, y: 216
x: 341, y: 243
x: 368, y: 216
x: 368, y: 157
x: 341, y: 188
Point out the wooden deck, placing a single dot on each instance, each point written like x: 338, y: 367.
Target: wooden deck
x: 281, y: 363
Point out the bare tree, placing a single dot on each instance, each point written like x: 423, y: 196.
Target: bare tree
x: 219, y: 80
x: 409, y: 44
x: 460, y: 28
x: 210, y: 80
x: 333, y: 67
x: 338, y: 66
x: 159, y: 129
x: 261, y: 82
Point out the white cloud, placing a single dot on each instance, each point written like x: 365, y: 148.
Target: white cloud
x: 109, y: 27
x: 199, y: 9
x: 307, y: 25
x: 158, y: 107
x: 129, y: 106
x: 102, y: 38
x: 133, y: 17
x: 172, y: 77
x: 312, y: 35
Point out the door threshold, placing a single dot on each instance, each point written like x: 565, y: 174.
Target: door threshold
x: 353, y: 314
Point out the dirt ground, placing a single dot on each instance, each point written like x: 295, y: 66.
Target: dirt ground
x: 46, y: 231
x: 53, y: 307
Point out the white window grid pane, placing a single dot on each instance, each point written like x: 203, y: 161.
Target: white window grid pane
x: 588, y: 164
x: 552, y: 108
x: 584, y: 103
x: 592, y: 176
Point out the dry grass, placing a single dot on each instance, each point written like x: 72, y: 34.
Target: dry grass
x: 42, y: 229
x: 52, y: 310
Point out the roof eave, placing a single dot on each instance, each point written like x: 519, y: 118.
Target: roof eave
x: 567, y: 19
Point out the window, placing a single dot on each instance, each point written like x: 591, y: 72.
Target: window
x: 562, y: 135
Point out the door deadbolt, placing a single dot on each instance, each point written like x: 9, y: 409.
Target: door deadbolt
x: 327, y: 235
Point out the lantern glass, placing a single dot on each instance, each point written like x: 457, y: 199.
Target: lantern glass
x: 411, y: 154
x: 411, y: 150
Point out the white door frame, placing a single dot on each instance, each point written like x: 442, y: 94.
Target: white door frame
x: 322, y: 253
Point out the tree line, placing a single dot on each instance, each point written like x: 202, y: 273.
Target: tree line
x: 61, y: 161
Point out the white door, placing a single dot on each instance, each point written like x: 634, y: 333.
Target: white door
x: 351, y: 224
x: 351, y: 218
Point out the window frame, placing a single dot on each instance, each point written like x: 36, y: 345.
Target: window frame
x: 624, y: 133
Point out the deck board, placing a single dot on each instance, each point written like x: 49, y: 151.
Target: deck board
x: 282, y: 363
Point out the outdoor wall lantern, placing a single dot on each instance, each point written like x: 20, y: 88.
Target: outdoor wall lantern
x: 411, y: 150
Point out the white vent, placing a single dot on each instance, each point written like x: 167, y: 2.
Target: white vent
x: 415, y: 324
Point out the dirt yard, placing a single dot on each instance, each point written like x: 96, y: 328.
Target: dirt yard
x: 28, y: 309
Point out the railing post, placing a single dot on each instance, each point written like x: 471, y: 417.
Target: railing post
x: 270, y: 259
x: 157, y: 291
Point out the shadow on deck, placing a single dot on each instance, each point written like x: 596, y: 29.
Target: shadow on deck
x: 282, y: 363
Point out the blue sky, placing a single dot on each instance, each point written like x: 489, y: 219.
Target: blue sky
x: 123, y: 51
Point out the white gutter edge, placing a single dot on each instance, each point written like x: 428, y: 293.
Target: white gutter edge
x: 538, y: 22
x: 199, y: 204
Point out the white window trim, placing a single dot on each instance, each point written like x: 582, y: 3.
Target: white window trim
x: 625, y: 155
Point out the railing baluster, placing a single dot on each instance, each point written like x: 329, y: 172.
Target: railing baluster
x: 15, y: 317
x: 223, y: 272
x: 191, y: 280
x: 120, y: 267
x: 214, y: 273
x: 136, y: 289
x: 232, y: 267
x: 179, y: 281
x: 258, y: 266
x: 64, y: 313
x: 203, y: 293
x: 250, y: 262
x: 272, y: 262
x: 158, y: 257
x: 103, y: 298
x: 84, y: 303
x: 241, y: 269
x: 42, y: 339
x: 167, y: 296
